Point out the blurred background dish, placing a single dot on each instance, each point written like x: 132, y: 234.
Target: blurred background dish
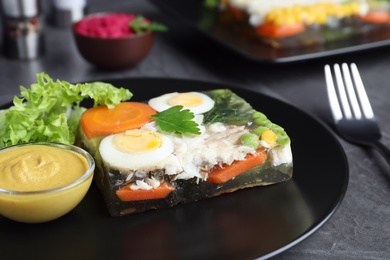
x: 115, y: 40
x: 235, y: 35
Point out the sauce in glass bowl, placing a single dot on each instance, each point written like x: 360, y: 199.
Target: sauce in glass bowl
x: 43, y: 181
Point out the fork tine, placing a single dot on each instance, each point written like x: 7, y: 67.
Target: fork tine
x: 351, y: 92
x: 333, y: 101
x: 364, y: 101
x: 342, y: 93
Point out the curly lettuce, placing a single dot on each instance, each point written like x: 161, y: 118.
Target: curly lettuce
x: 50, y: 111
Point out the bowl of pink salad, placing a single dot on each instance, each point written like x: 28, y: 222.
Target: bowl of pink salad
x: 115, y: 40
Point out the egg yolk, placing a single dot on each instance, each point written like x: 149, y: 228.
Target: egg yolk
x: 186, y: 100
x: 137, y: 141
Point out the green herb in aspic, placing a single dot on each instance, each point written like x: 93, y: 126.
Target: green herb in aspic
x: 211, y: 3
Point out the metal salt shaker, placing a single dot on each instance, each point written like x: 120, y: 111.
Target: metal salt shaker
x: 22, y: 29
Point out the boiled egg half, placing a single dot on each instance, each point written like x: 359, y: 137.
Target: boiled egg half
x: 135, y: 149
x: 196, y: 102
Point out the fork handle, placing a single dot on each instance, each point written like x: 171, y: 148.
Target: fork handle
x: 383, y: 150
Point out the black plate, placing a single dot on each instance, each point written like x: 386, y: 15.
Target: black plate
x: 196, y: 15
x: 252, y: 223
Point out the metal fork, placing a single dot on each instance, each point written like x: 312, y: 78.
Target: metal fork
x: 351, y: 108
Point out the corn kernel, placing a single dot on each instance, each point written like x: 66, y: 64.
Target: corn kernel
x: 269, y: 136
x: 316, y: 13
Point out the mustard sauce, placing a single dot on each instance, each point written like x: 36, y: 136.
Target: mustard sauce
x: 37, y: 167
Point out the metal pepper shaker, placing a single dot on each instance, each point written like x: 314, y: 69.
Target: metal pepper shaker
x: 22, y: 25
x: 65, y: 12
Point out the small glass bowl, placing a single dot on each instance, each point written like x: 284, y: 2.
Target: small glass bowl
x: 46, y: 205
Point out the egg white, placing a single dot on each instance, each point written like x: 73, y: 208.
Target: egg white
x: 161, y: 103
x: 134, y: 161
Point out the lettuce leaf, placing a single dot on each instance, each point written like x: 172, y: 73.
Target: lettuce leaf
x: 50, y: 110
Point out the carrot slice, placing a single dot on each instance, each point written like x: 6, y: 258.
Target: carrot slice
x: 127, y: 194
x: 377, y: 17
x: 101, y: 121
x: 278, y: 31
x: 223, y: 174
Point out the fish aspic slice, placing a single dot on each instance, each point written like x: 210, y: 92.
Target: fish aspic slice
x: 297, y: 23
x: 182, y: 147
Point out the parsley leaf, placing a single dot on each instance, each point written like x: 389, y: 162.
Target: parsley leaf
x: 140, y: 24
x: 177, y: 119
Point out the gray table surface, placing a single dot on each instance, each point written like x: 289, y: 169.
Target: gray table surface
x: 360, y: 228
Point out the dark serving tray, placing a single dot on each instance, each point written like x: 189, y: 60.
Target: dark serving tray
x: 194, y: 14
